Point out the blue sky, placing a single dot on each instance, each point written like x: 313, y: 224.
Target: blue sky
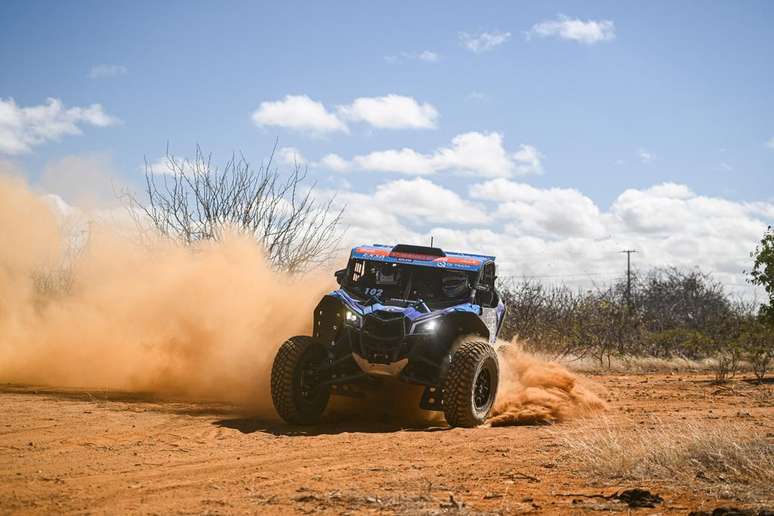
x: 651, y: 93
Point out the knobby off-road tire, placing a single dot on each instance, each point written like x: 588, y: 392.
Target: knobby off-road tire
x: 470, y: 386
x: 295, y: 390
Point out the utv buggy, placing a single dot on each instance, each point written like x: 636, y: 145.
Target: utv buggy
x: 414, y: 313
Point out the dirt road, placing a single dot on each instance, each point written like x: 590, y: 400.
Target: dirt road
x: 97, y: 452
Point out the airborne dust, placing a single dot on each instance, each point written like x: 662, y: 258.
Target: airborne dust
x: 204, y: 322
x: 139, y: 315
x: 533, y: 391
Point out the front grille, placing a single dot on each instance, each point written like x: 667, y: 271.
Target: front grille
x: 382, y: 336
x: 384, y: 325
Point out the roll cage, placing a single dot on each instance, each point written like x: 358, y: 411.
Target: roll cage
x: 413, y: 275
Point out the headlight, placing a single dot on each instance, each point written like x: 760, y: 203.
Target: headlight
x: 428, y: 326
x: 352, y: 318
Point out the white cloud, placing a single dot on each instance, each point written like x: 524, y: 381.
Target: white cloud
x: 588, y: 32
x: 299, y: 113
x: 290, y: 156
x: 335, y: 162
x: 367, y: 222
x: 548, y: 213
x: 425, y: 55
x: 483, y: 154
x: 391, y: 211
x: 168, y: 165
x: 770, y: 143
x: 527, y: 160
x: 103, y: 71
x: 670, y: 210
x: 391, y: 112
x: 484, y: 41
x: 559, y: 235
x: 473, y: 153
x: 404, y: 161
x: 158, y: 167
x: 476, y: 96
x: 339, y: 183
x: 428, y: 202
x: 671, y: 191
x: 22, y: 128
x: 645, y: 156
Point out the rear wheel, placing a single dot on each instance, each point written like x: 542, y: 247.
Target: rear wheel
x: 296, y: 381
x: 470, y: 386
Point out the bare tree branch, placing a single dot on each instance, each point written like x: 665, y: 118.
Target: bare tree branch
x: 194, y: 200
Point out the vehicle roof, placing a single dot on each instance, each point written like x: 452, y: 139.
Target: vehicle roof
x: 430, y: 258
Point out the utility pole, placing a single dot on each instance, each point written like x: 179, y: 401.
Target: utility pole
x: 629, y: 276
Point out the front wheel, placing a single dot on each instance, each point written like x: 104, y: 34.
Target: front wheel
x: 297, y: 390
x: 470, y: 386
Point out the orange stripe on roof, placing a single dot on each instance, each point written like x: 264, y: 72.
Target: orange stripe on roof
x: 463, y: 261
x: 369, y: 250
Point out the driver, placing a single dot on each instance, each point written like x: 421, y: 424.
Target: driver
x: 388, y: 274
x: 454, y: 285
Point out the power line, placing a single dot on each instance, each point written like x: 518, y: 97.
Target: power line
x: 629, y: 275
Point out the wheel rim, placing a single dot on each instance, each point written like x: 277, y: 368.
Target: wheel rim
x: 482, y: 389
x: 309, y: 380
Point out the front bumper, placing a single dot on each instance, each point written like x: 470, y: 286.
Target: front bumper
x: 383, y: 343
x: 413, y: 358
x: 393, y: 369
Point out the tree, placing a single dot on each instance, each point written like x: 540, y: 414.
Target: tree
x: 757, y: 341
x: 671, y: 298
x: 762, y: 273
x: 193, y: 200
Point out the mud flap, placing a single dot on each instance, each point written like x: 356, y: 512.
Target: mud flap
x: 432, y: 398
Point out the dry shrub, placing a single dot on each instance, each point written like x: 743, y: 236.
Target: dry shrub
x: 671, y: 313
x: 722, y: 456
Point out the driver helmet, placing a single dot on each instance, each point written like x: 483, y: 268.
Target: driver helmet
x: 455, y: 284
x: 388, y: 275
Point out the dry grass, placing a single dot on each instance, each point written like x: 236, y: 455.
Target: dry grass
x: 718, y: 457
x: 644, y: 365
x: 631, y: 364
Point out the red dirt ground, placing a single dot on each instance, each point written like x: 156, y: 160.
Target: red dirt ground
x: 73, y: 451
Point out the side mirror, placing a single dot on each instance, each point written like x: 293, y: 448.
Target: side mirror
x: 340, y: 275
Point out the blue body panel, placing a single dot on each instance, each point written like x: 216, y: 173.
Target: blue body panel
x: 417, y: 316
x: 410, y: 312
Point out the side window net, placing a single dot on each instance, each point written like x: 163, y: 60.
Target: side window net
x: 357, y: 270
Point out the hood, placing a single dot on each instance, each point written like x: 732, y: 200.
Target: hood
x: 412, y: 313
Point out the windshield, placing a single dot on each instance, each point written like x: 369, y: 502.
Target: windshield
x: 397, y: 283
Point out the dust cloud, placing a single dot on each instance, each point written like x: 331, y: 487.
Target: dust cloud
x: 202, y: 321
x: 533, y: 391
